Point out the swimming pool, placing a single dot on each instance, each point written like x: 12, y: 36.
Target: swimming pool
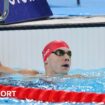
x: 65, y: 8
x: 94, y: 83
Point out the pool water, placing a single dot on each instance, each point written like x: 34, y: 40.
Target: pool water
x: 62, y: 8
x: 95, y: 82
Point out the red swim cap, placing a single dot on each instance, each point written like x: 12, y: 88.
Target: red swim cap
x: 52, y: 46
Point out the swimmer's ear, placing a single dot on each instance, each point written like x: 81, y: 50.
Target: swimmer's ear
x: 46, y: 62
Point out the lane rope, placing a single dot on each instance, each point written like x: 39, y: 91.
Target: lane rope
x: 37, y: 94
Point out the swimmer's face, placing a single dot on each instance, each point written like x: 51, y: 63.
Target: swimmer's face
x: 59, y: 61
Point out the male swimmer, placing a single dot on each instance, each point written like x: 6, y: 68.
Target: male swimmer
x: 57, y: 60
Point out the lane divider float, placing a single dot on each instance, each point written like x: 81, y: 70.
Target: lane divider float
x: 37, y: 94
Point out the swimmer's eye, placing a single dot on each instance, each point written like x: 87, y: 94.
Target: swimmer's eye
x: 60, y: 52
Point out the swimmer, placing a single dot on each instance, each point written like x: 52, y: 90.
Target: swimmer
x: 57, y: 59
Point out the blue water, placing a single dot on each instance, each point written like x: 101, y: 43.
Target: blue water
x: 64, y: 8
x: 95, y: 82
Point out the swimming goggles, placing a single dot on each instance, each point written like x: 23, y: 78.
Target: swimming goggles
x: 60, y: 52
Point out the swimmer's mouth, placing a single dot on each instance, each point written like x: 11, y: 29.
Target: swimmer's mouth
x: 66, y: 65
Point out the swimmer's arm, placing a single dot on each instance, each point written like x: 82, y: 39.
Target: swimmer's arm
x: 28, y: 72
x: 5, y: 69
x: 75, y: 76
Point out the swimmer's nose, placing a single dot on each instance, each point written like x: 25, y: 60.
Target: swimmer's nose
x: 67, y: 58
